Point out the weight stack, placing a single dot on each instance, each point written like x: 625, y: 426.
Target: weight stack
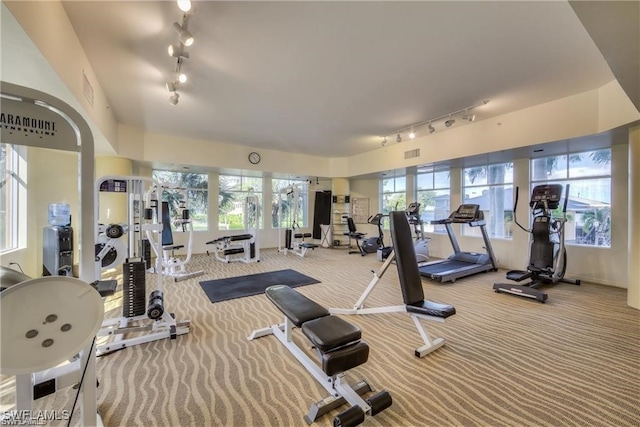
x: 145, y: 250
x: 133, y: 288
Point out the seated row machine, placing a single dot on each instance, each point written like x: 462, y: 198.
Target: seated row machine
x: 240, y: 247
x: 338, y: 346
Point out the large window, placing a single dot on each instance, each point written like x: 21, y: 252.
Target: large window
x: 393, y: 194
x: 491, y: 187
x: 433, y: 194
x: 588, y: 175
x: 12, y: 191
x: 195, y: 186
x: 232, y: 201
x: 294, y: 213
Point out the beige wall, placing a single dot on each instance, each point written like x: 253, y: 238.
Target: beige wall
x: 52, y: 177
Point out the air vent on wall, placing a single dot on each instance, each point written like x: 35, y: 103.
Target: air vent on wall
x: 412, y: 153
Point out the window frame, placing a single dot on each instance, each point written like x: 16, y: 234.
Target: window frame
x: 428, y: 227
x: 238, y: 198
x: 14, y: 165
x: 303, y: 219
x: 198, y: 222
x: 569, y: 159
x: 507, y: 222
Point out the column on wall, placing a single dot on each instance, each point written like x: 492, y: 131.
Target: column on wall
x: 340, y: 186
x: 633, y: 286
x: 113, y: 207
x: 410, y: 192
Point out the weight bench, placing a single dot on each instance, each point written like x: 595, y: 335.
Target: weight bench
x: 240, y: 245
x: 339, y: 348
x: 300, y: 246
x: 411, y: 284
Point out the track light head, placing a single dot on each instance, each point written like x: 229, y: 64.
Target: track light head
x: 412, y: 134
x: 184, y: 5
x: 398, y: 138
x: 171, y: 87
x: 182, y: 77
x: 185, y: 36
x: 384, y: 141
x: 431, y: 128
x: 449, y: 122
x: 177, y: 51
x: 173, y: 99
x: 469, y: 117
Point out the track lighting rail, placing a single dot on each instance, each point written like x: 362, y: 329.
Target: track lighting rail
x: 412, y: 128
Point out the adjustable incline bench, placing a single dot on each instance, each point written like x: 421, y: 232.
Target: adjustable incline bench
x: 410, y: 283
x: 339, y: 349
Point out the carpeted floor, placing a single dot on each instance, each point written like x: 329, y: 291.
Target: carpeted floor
x: 508, y: 361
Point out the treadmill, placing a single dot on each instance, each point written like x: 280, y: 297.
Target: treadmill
x: 461, y: 264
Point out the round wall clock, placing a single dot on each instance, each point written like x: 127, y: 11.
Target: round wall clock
x: 254, y: 158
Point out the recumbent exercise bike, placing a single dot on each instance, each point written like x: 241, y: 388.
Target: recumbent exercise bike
x: 547, y: 253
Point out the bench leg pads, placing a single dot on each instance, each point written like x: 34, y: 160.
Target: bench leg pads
x: 342, y: 360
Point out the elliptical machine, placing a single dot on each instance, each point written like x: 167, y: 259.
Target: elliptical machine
x: 421, y: 244
x: 547, y: 253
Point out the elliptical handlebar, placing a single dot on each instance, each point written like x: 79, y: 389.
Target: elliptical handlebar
x: 515, y: 216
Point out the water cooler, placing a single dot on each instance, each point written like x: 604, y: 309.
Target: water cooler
x: 57, y: 242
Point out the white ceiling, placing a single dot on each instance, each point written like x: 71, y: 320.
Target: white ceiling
x: 330, y: 78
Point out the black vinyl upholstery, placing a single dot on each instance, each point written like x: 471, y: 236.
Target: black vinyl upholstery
x: 337, y: 341
x: 408, y: 272
x: 294, y: 305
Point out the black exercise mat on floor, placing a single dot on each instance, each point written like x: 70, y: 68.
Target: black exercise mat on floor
x: 253, y: 284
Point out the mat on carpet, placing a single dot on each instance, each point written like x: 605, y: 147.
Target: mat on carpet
x: 253, y: 284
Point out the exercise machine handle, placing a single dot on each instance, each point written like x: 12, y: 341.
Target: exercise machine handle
x: 515, y: 208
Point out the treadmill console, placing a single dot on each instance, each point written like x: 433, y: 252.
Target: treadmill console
x: 549, y: 193
x: 466, y: 213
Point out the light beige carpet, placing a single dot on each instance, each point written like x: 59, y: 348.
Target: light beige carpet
x: 507, y: 361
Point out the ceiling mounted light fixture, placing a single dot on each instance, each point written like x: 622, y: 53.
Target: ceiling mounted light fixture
x: 177, y: 51
x: 185, y: 37
x: 184, y: 5
x: 384, y: 141
x: 448, y: 123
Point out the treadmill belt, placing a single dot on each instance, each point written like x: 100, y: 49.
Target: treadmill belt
x: 442, y: 267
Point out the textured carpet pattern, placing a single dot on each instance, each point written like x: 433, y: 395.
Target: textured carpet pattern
x: 507, y: 361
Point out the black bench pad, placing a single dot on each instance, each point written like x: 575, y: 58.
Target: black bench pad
x: 240, y: 237
x: 345, y: 358
x: 330, y: 332
x: 298, y: 308
x: 430, y: 308
x: 308, y: 245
